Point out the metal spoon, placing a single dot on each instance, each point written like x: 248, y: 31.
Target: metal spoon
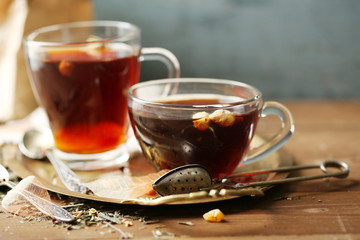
x: 42, y: 204
x: 35, y: 145
x: 192, y: 178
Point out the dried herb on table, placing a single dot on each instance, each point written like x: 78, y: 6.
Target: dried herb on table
x: 87, y: 213
x: 92, y: 213
x: 162, y: 234
x: 187, y: 223
x: 288, y: 198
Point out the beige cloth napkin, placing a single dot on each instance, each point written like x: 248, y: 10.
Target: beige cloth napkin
x: 13, y: 16
x: 17, y: 19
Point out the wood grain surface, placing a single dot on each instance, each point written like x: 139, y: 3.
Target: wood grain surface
x: 319, y: 209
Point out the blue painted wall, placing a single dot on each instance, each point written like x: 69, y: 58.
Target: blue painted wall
x: 289, y: 49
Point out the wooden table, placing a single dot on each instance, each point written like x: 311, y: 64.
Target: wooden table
x: 319, y: 209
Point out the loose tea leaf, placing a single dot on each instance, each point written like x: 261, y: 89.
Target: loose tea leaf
x: 187, y: 223
x: 124, y: 235
x: 162, y: 234
x: 111, y: 219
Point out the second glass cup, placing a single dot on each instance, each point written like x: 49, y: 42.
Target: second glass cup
x: 204, y: 121
x: 80, y: 74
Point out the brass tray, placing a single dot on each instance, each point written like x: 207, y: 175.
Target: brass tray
x: 137, y: 165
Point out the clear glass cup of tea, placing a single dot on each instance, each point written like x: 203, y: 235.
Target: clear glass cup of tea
x: 80, y: 74
x: 204, y: 121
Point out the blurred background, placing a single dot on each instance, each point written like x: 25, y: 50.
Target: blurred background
x: 289, y: 49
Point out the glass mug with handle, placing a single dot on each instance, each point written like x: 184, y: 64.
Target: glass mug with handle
x: 202, y: 121
x: 80, y: 74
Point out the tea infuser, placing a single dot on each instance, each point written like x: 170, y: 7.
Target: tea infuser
x: 183, y: 179
x: 195, y: 177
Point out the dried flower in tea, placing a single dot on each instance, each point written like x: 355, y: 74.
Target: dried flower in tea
x: 223, y: 118
x: 202, y: 121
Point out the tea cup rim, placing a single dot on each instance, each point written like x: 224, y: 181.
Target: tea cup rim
x: 30, y: 38
x: 256, y: 97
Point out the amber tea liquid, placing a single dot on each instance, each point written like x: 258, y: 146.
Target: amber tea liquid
x: 174, y: 142
x: 84, y: 94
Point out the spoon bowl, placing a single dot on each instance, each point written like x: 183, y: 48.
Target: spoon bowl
x: 34, y: 144
x: 4, y: 174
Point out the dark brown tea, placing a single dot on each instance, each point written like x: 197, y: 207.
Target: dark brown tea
x: 84, y: 93
x: 217, y: 140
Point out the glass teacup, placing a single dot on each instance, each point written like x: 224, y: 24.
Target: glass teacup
x: 204, y: 121
x: 80, y: 74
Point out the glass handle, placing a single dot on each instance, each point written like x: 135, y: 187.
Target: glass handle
x: 164, y: 56
x: 279, y: 139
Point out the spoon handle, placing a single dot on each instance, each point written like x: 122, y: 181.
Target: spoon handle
x: 67, y: 176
